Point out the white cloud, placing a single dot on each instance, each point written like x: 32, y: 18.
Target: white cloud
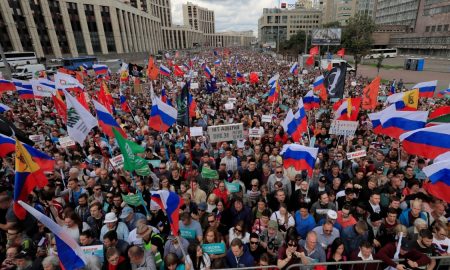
x: 237, y: 15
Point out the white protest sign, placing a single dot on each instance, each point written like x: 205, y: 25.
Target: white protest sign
x: 66, y: 142
x: 357, y: 154
x: 117, y: 161
x: 254, y: 133
x: 229, y: 106
x: 232, y: 100
x: 211, y: 112
x: 96, y: 250
x: 196, y: 131
x: 194, y: 85
x: 37, y: 138
x: 223, y: 133
x: 240, y: 143
x: 346, y: 128
x: 266, y: 118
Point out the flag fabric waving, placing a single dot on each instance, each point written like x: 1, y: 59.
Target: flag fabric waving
x: 428, y: 142
x: 405, y: 101
x: 274, y: 93
x: 171, y: 203
x: 229, y: 78
x: 395, y: 124
x: 296, y: 124
x: 106, y: 121
x: 24, y: 89
x: 60, y: 106
x: 438, y: 171
x: 100, y: 69
x: 319, y: 87
x: 129, y: 150
x: 341, y: 52
x: 6, y: 85
x: 79, y: 120
x: 440, y: 115
x: 294, y: 69
x: 69, y: 252
x: 240, y: 77
x: 4, y: 108
x: 28, y: 176
x: 162, y: 116
x: 347, y: 109
x: 311, y: 101
x: 335, y: 81
x: 152, y: 70
x: 163, y: 70
x: 370, y: 94
x: 66, y: 81
x: 426, y: 89
x: 300, y: 157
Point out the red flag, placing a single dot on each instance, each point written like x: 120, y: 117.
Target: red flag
x: 341, y: 52
x: 370, y: 94
x: 329, y: 67
x: 152, y: 70
x: 310, y: 60
x: 81, y: 97
x: 104, y: 97
x: 177, y: 71
x: 170, y: 62
x: 254, y: 79
x: 314, y: 50
x: 439, y: 190
x: 60, y: 106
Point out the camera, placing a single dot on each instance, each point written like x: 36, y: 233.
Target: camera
x: 271, y: 245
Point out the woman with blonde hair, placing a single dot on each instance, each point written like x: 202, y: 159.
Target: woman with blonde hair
x: 440, y: 238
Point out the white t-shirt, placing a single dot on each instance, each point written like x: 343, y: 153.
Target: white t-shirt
x: 205, y: 265
x: 442, y: 245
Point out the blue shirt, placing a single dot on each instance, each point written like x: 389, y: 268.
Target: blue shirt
x: 304, y: 225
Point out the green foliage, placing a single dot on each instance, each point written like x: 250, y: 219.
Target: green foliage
x: 296, y: 44
x: 335, y: 24
x: 357, y: 36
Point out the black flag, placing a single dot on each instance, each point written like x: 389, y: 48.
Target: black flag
x: 183, y: 106
x: 8, y: 128
x: 335, y: 81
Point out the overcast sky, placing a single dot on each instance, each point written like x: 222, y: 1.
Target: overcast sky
x: 230, y: 15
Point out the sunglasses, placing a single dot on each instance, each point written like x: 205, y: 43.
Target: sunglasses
x: 279, y: 172
x: 237, y: 230
x: 254, y: 243
x: 292, y: 244
x: 109, y: 197
x: 211, y: 221
x: 254, y: 185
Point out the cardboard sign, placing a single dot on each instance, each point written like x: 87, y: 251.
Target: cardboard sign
x: 346, y: 128
x: 37, y: 138
x: 232, y: 187
x: 211, y: 112
x: 266, y: 118
x: 194, y: 85
x: 357, y: 154
x: 66, y: 142
x: 117, y: 161
x: 223, y: 133
x: 96, y: 250
x: 254, y: 133
x: 196, y: 131
x: 214, y: 248
x: 229, y: 106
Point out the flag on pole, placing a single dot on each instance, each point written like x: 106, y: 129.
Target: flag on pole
x: 171, y: 203
x: 106, y: 121
x: 370, y: 94
x: 129, y: 149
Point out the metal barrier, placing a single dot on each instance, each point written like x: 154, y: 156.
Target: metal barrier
x: 442, y: 263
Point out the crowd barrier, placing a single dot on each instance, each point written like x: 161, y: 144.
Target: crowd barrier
x: 442, y: 263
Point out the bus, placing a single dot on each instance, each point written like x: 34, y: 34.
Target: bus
x: 388, y: 53
x: 19, y: 59
x: 75, y: 62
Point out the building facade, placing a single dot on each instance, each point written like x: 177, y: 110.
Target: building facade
x: 397, y: 12
x: 367, y: 7
x: 277, y: 25
x: 78, y: 27
x: 338, y: 10
x: 200, y: 19
x: 431, y: 35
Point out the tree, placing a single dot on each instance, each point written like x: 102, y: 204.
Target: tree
x: 357, y: 37
x: 335, y: 24
x: 380, y: 62
x: 295, y: 44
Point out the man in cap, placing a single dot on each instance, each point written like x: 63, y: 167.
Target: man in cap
x: 23, y: 261
x: 412, y: 257
x: 271, y: 239
x: 151, y: 241
x: 130, y: 217
x: 141, y: 260
x: 111, y: 223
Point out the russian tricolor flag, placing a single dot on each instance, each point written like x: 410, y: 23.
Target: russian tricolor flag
x: 296, y: 124
x: 229, y: 78
x: 405, y: 101
x: 207, y: 71
x: 24, y: 89
x: 106, y: 120
x: 124, y: 103
x: 347, y: 109
x: 294, y: 69
x: 171, y: 203
x: 100, y: 69
x: 6, y: 85
x: 318, y: 84
x: 274, y: 79
x: 217, y: 62
x: 162, y: 116
x: 395, y: 124
x: 439, y: 175
x: 300, y: 157
x: 311, y: 101
x: 163, y: 70
x: 274, y: 92
x: 4, y: 108
x: 426, y: 89
x: 375, y: 119
x: 69, y: 252
x: 428, y: 142
x: 240, y: 77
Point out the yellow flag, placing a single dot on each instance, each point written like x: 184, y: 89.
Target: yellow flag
x: 349, y: 107
x: 24, y: 162
x: 411, y: 99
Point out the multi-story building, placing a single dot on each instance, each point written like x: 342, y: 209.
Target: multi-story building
x: 431, y: 35
x: 229, y: 39
x: 78, y: 27
x: 277, y: 25
x: 397, y: 12
x: 338, y: 10
x: 200, y: 19
x: 367, y: 7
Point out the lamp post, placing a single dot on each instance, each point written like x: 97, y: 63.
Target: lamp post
x: 7, y: 74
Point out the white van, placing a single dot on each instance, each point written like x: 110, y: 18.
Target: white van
x: 27, y: 71
x: 335, y: 62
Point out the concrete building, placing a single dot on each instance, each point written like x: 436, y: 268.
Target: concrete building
x: 277, y: 25
x: 229, y: 39
x: 55, y: 28
x: 367, y: 7
x: 200, y: 19
x: 397, y: 12
x: 338, y: 10
x: 431, y: 35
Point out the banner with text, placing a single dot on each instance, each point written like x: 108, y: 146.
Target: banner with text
x: 224, y: 133
x: 346, y: 128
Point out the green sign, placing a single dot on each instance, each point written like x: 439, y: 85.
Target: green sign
x: 214, y: 248
x: 284, y: 107
x: 155, y: 163
x: 187, y: 233
x: 232, y: 187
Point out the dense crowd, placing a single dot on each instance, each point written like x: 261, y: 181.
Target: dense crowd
x: 361, y: 209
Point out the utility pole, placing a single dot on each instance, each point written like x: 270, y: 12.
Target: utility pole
x: 306, y: 40
x: 7, y: 74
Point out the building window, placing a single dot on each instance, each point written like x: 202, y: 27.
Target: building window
x: 433, y: 28
x: 439, y: 28
x: 446, y: 28
x: 427, y: 29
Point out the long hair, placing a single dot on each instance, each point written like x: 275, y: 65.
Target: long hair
x: 217, y: 235
x: 192, y: 252
x: 334, y: 246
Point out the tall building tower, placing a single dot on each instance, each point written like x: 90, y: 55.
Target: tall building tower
x: 367, y: 7
x: 200, y: 19
x: 397, y: 12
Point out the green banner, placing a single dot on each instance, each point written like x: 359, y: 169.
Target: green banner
x: 232, y: 187
x: 187, y: 233
x: 214, y: 248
